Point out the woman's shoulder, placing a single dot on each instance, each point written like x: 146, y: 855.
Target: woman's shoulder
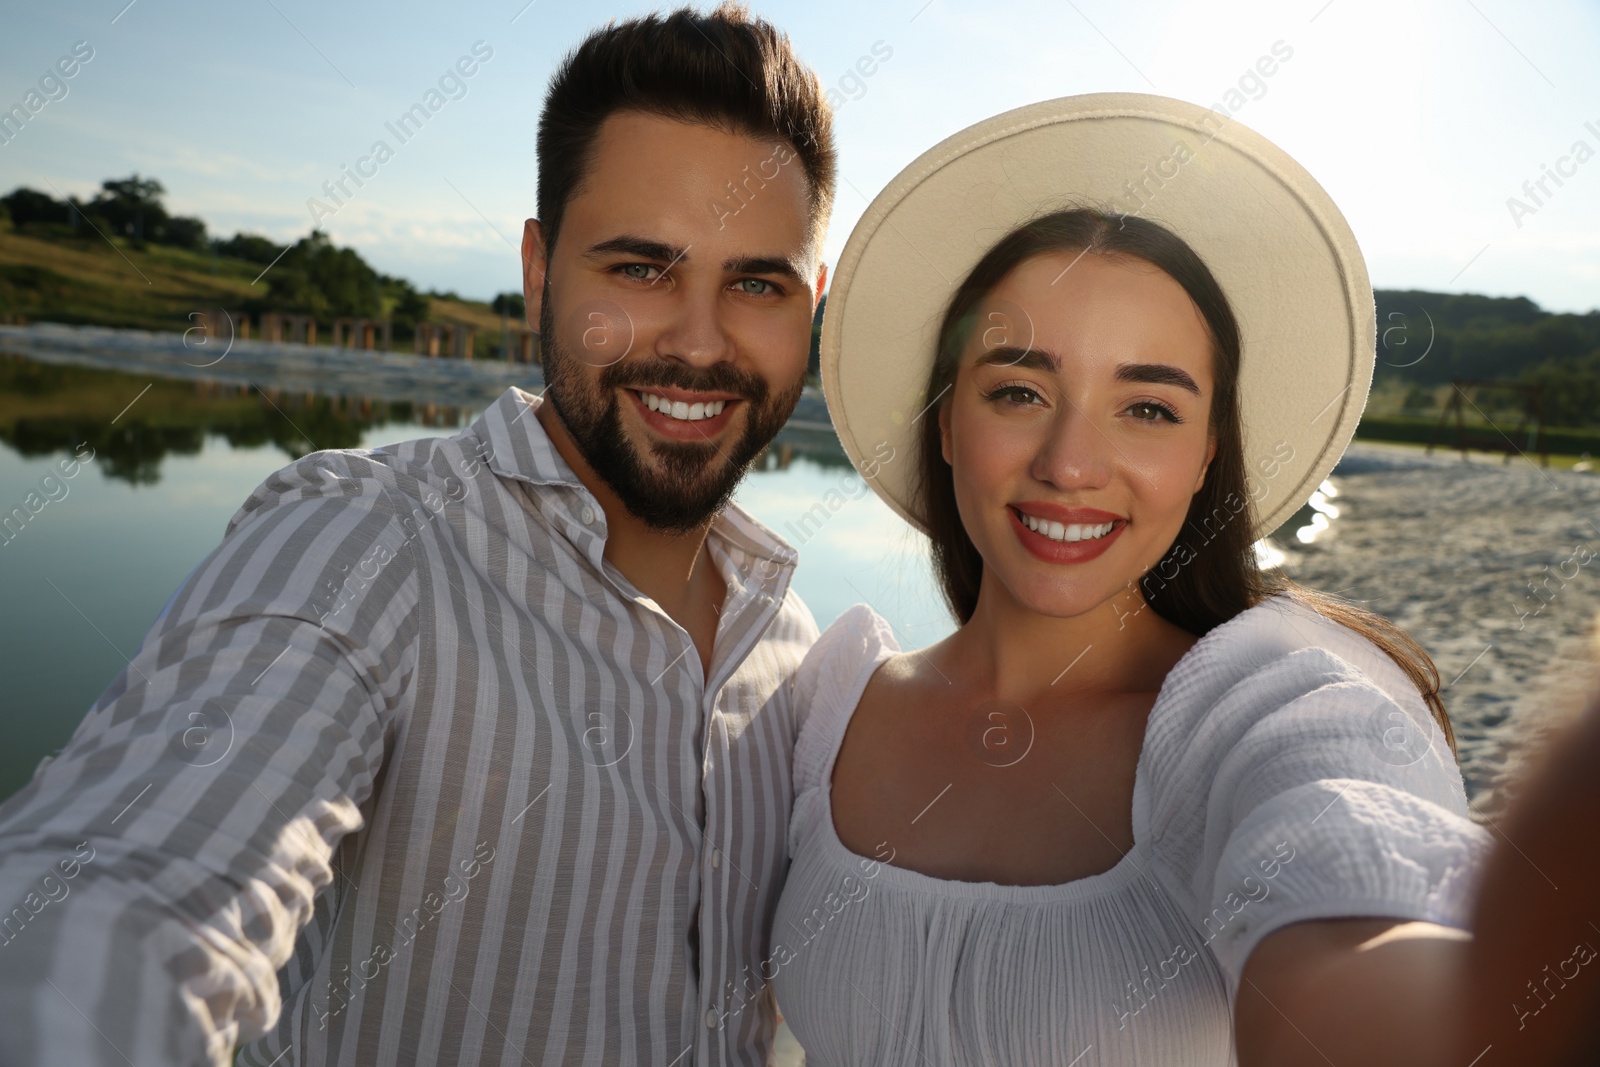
x: 1281, y: 681
x: 829, y: 683
x: 1283, y: 636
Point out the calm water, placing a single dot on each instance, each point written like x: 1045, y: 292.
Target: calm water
x: 85, y: 577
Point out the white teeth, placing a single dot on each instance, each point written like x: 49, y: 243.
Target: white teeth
x: 1058, y: 532
x: 678, y: 409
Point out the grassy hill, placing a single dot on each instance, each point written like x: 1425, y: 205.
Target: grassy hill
x: 86, y: 279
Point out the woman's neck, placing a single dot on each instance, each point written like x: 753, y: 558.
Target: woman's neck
x: 1014, y: 653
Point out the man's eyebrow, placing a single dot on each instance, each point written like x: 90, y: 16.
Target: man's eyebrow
x: 1157, y: 374
x: 1042, y: 360
x: 764, y: 265
x: 633, y: 245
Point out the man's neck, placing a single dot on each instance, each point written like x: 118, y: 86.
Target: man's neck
x: 674, y: 570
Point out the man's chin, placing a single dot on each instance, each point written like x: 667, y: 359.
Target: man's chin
x: 669, y: 487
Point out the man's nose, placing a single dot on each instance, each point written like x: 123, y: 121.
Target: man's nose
x: 696, y: 329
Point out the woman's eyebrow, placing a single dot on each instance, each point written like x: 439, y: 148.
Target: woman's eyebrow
x: 1156, y: 374
x: 1043, y: 360
x: 1012, y: 356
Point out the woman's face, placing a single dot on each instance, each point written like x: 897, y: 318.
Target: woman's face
x: 1077, y: 429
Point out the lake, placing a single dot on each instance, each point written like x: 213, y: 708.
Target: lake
x: 84, y: 579
x: 175, y: 456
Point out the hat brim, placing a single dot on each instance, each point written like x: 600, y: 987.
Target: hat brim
x: 1271, y: 236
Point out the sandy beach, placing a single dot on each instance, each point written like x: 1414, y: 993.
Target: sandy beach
x: 1492, y: 567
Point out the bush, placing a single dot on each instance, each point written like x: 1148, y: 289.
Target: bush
x: 512, y: 304
x: 252, y: 248
x: 27, y: 206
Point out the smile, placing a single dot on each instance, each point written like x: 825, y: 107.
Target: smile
x: 1058, y: 532
x: 684, y: 412
x: 1061, y: 541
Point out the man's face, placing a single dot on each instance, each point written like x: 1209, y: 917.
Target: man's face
x: 675, y: 310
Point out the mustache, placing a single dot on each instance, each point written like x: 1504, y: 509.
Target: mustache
x: 717, y: 378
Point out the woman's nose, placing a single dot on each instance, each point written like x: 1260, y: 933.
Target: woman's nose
x: 1075, y: 453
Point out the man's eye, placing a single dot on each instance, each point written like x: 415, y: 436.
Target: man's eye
x: 639, y: 272
x: 755, y: 286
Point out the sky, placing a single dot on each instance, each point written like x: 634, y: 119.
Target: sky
x: 1422, y: 120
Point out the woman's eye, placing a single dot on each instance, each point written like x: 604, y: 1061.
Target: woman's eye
x: 1149, y: 411
x: 755, y: 286
x: 1015, y: 394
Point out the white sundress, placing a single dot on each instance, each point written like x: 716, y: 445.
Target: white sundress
x: 1289, y: 771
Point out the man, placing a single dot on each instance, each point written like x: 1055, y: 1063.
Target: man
x: 476, y: 750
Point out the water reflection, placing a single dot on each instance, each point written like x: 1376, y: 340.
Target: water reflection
x: 1322, y: 513
x: 85, y: 570
x: 133, y: 421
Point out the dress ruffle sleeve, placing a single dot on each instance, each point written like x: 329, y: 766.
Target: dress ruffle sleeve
x: 1295, y: 773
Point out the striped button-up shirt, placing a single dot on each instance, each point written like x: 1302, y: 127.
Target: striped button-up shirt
x: 408, y: 773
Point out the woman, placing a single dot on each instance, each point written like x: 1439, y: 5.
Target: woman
x: 1145, y: 805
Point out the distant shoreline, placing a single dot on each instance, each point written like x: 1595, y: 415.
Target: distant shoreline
x: 403, y: 376
x: 300, y: 368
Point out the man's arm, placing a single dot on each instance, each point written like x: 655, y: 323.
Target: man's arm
x: 156, y: 873
x: 1374, y: 992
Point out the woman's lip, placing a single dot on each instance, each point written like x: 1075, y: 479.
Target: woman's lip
x: 1049, y: 551
x: 1041, y: 509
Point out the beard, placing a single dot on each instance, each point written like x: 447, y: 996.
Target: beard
x: 674, y: 486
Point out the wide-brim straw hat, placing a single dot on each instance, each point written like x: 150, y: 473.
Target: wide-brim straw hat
x: 1272, y: 237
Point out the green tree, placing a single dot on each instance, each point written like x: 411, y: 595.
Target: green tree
x: 316, y: 278
x: 250, y: 247
x: 29, y: 205
x: 404, y: 306
x: 512, y: 304
x: 131, y: 207
x: 184, y: 231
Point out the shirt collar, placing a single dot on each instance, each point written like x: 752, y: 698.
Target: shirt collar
x: 520, y: 449
x: 518, y: 446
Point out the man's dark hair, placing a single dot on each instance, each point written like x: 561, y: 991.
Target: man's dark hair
x: 726, y: 69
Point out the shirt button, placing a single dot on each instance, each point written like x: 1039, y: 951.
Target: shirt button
x: 712, y: 1018
x: 716, y: 859
x: 588, y: 515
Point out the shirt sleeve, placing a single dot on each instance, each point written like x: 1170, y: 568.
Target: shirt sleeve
x: 1304, y: 790
x: 158, y: 870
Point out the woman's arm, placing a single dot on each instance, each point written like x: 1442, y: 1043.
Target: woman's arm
x: 1372, y: 992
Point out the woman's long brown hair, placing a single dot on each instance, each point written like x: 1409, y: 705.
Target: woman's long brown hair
x: 1203, y: 580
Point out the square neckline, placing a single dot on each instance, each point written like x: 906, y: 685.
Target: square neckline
x: 1115, y: 877
x: 1133, y: 863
